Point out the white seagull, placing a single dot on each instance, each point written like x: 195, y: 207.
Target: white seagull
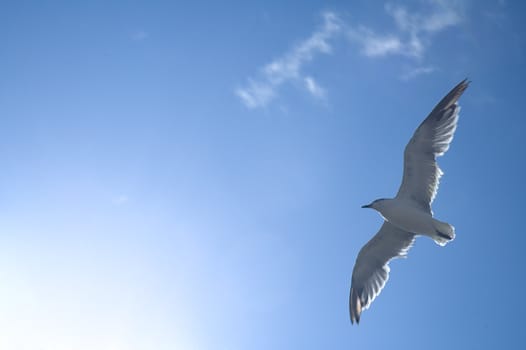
x: 408, y: 214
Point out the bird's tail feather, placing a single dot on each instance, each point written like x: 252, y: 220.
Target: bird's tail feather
x: 444, y: 232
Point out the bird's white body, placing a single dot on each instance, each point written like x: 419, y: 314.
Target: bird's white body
x: 408, y: 216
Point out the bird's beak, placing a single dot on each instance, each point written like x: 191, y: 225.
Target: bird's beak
x: 366, y: 206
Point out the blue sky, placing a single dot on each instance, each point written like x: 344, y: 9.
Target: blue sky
x: 190, y: 175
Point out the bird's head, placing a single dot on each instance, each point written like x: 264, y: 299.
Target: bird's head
x: 376, y: 204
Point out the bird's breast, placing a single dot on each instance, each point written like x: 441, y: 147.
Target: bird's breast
x: 409, y: 218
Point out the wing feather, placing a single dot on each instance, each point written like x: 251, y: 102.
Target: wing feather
x: 430, y: 140
x: 371, y: 270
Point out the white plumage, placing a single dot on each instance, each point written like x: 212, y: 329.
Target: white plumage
x: 409, y: 213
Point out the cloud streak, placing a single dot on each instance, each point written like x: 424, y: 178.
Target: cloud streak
x: 410, y: 37
x: 259, y: 92
x: 413, y: 30
x: 314, y: 88
x: 416, y: 71
x: 372, y: 44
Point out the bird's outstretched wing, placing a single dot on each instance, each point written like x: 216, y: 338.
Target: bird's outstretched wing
x: 371, y: 269
x: 430, y: 140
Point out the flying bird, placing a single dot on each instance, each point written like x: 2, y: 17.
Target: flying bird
x: 409, y: 213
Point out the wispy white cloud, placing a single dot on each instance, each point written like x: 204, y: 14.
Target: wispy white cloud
x: 259, y: 92
x: 256, y: 94
x: 442, y: 15
x: 413, y: 32
x: 417, y: 71
x: 411, y: 35
x: 313, y: 87
x: 374, y: 44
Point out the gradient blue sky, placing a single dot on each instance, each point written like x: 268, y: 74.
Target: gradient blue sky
x: 189, y: 175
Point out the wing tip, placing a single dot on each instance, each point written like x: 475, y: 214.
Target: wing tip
x: 450, y: 100
x: 456, y: 92
x: 463, y: 85
x: 355, y: 306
